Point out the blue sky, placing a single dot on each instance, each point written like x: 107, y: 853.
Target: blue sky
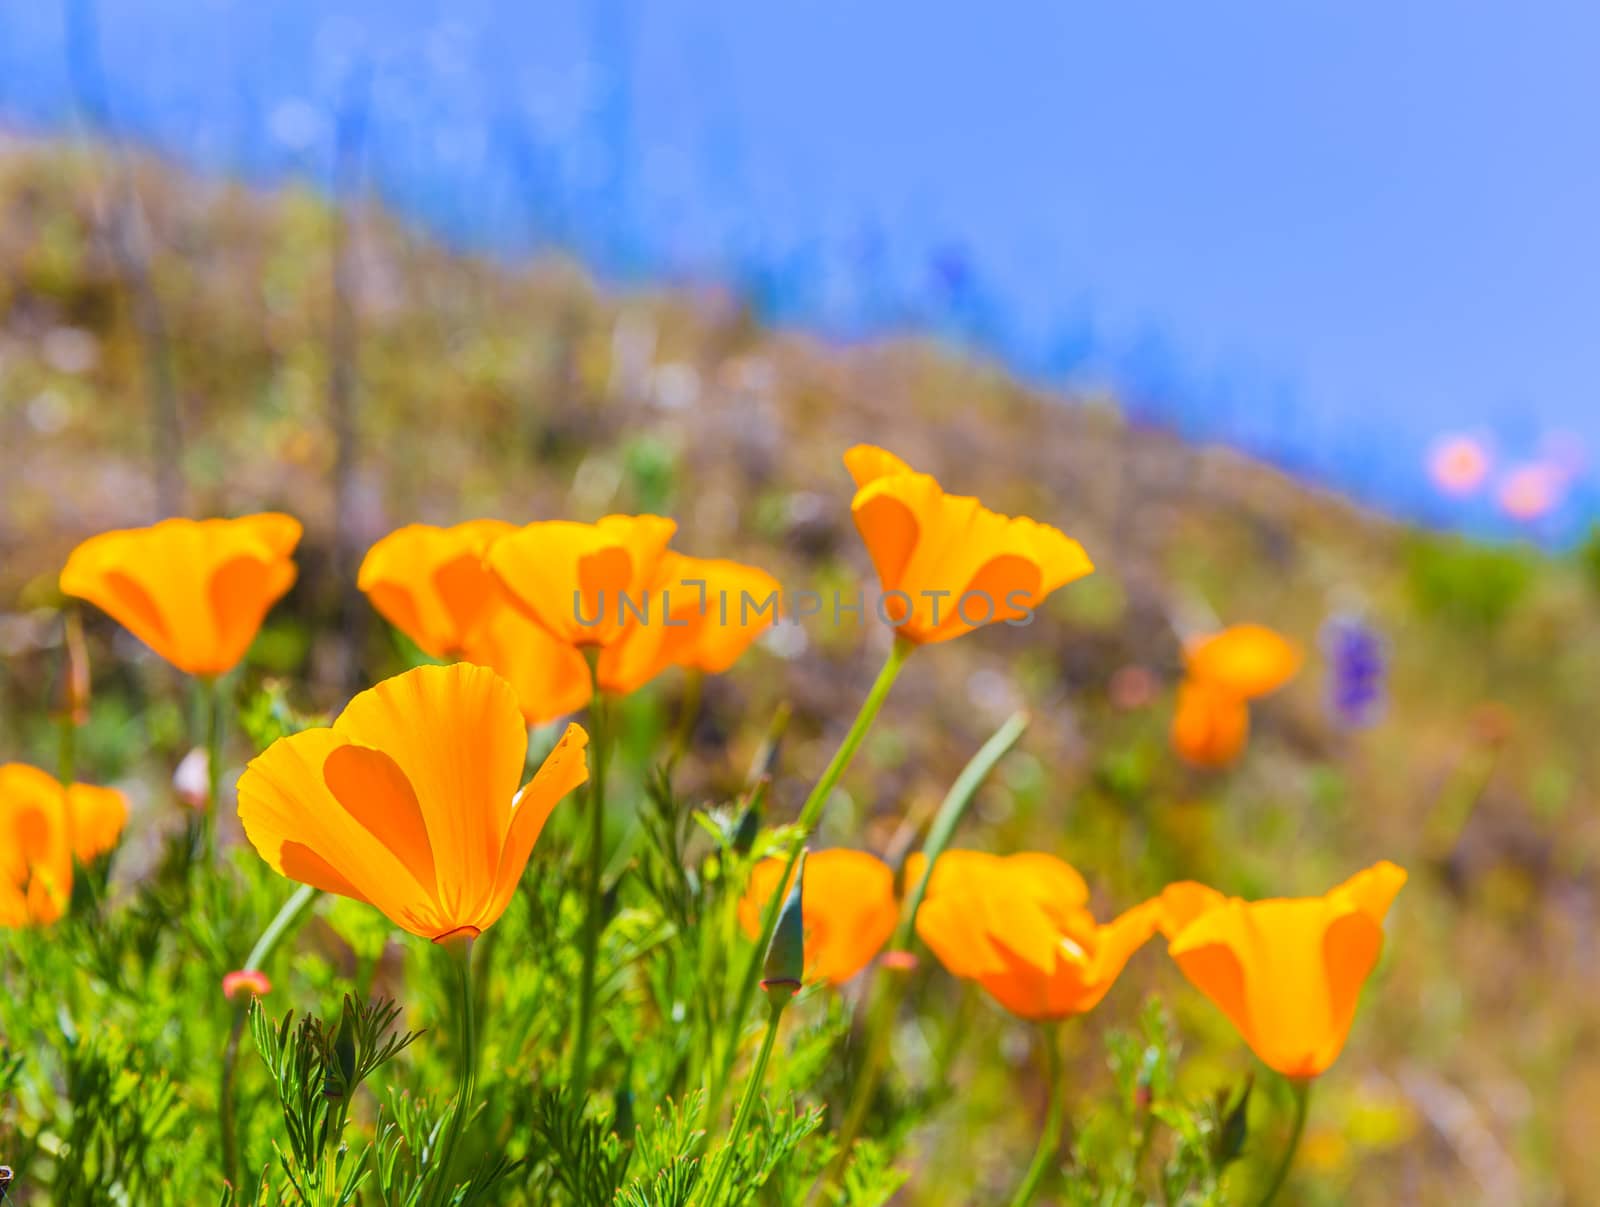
x: 1326, y: 230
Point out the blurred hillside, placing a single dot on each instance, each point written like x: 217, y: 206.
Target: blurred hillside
x: 360, y: 376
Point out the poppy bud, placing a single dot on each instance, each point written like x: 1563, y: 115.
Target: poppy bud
x: 786, y: 954
x: 72, y: 688
x: 245, y: 980
x: 340, y: 1078
x: 748, y: 825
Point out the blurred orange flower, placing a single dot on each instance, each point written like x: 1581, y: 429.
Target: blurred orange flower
x: 1019, y: 927
x: 1223, y: 672
x: 1286, y: 972
x: 409, y: 800
x: 704, y: 613
x: 194, y: 591
x: 431, y: 584
x: 580, y: 581
x: 947, y: 564
x: 97, y: 816
x: 849, y: 909
x: 42, y: 828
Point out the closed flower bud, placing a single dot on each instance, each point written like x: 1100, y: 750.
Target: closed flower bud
x: 341, y: 1074
x: 786, y: 954
x: 748, y: 824
x: 245, y: 980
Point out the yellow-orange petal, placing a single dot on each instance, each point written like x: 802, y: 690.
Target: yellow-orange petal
x: 297, y: 824
x: 195, y: 591
x: 563, y: 769
x: 1288, y: 972
x: 1054, y: 883
x: 550, y: 678
x: 1244, y: 661
x: 1181, y: 902
x: 431, y: 583
x: 868, y: 463
x: 947, y: 564
x: 458, y: 739
x: 1373, y: 889
x: 580, y: 580
x: 1036, y: 965
x: 1209, y: 726
x: 35, y: 847
x: 98, y: 815
x: 849, y: 909
x: 703, y: 614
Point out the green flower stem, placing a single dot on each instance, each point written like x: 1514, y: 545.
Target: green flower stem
x: 593, y: 903
x: 460, y: 948
x: 752, y: 1091
x: 688, y: 714
x: 888, y: 989
x: 283, y: 921
x: 67, y: 749
x: 810, y: 813
x: 209, y: 698
x: 280, y: 926
x: 1302, y: 1105
x: 1055, y: 1117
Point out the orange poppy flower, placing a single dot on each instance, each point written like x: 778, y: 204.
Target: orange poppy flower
x: 194, y: 591
x: 946, y: 563
x: 42, y: 827
x: 1209, y: 727
x: 1053, y: 882
x: 582, y: 582
x: 1246, y: 661
x: 431, y: 584
x: 1019, y: 927
x: 409, y: 800
x: 704, y: 613
x: 1223, y: 672
x: 98, y: 815
x: 849, y: 909
x: 1286, y: 972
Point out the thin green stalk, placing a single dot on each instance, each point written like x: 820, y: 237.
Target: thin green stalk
x: 280, y: 926
x: 888, y: 989
x: 810, y: 813
x: 288, y: 914
x: 209, y: 697
x: 752, y: 1091
x: 460, y: 947
x: 688, y: 714
x: 593, y: 902
x: 66, y: 771
x: 225, y: 1105
x: 1302, y: 1105
x: 1050, y: 1137
x: 67, y: 756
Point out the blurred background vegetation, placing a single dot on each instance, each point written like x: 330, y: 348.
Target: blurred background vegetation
x: 168, y: 342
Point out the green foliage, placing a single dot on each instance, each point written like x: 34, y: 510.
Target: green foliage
x: 316, y: 1071
x: 1151, y: 1143
x: 1465, y: 583
x: 123, y: 1121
